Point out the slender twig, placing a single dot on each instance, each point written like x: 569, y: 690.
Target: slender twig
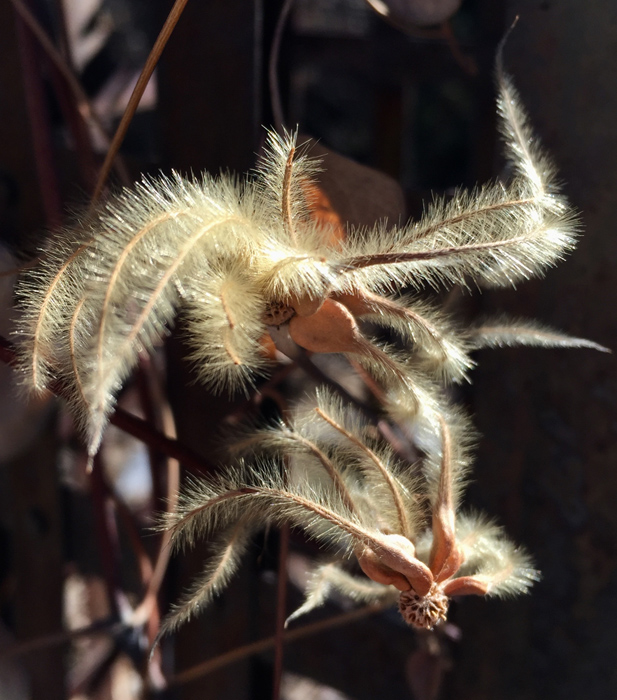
x: 140, y: 429
x: 81, y: 99
x: 94, y: 669
x: 136, y: 95
x: 84, y: 148
x: 85, y: 155
x: 148, y: 606
x: 106, y: 534
x: 262, y: 645
x: 137, y: 427
x: 127, y: 519
x: 64, y: 44
x: 38, y: 116
x: 101, y: 627
x: 465, y: 61
x: 441, y: 34
x: 144, y: 380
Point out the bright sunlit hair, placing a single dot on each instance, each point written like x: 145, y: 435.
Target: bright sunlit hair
x: 241, y: 257
x: 350, y: 492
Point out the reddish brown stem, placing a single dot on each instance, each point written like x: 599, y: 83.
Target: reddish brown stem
x: 83, y: 149
x: 57, y: 60
x: 137, y: 427
x: 152, y: 415
x: 133, y: 536
x: 106, y: 534
x: 100, y: 627
x: 69, y: 103
x: 148, y: 608
x: 39, y: 123
x: 230, y: 657
x: 141, y: 430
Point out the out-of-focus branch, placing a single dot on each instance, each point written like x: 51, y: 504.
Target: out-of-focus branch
x: 136, y: 95
x: 38, y: 116
x: 281, y: 601
x: 100, y: 627
x: 137, y: 427
x: 81, y: 99
x: 262, y: 645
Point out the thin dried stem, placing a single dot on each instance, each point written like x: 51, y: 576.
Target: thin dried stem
x: 127, y: 520
x: 143, y: 431
x: 281, y: 600
x: 82, y: 102
x: 106, y: 627
x: 247, y: 650
x: 106, y: 534
x: 136, y: 95
x: 38, y: 116
x: 149, y: 602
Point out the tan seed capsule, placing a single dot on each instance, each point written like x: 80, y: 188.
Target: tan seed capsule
x: 331, y: 329
x: 305, y: 305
